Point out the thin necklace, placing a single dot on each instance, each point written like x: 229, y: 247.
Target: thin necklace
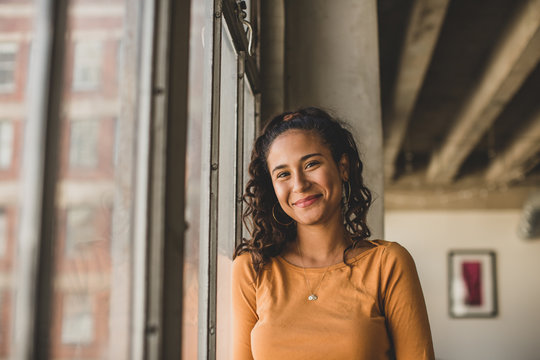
x: 312, y: 293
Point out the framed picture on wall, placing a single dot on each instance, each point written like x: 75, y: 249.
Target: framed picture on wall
x: 472, y: 284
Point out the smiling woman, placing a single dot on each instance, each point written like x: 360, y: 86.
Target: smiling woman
x: 308, y: 283
x: 307, y: 181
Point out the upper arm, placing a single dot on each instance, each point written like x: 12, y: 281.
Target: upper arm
x: 244, y: 306
x: 404, y: 306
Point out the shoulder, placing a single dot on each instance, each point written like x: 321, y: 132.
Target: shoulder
x: 393, y: 253
x: 243, y: 259
x: 243, y: 267
x: 390, y: 247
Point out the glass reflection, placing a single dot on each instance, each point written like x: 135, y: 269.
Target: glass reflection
x: 190, y: 302
x: 92, y: 272
x: 16, y: 33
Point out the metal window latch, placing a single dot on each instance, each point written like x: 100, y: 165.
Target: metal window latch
x: 242, y: 14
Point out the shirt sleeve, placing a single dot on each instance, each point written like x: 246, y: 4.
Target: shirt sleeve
x: 244, y: 306
x: 404, y: 305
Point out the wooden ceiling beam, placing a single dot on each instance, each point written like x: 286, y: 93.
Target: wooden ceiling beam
x: 511, y: 164
x: 426, y: 19
x: 515, y: 56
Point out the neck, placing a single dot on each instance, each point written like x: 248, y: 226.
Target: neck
x: 322, y: 245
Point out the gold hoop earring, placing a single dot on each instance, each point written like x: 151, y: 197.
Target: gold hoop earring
x: 275, y: 218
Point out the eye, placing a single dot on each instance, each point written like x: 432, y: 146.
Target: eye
x: 282, y: 174
x: 312, y: 163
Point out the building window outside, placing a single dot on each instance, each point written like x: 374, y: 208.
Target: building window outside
x: 8, y: 55
x: 90, y: 59
x: 77, y: 320
x: 80, y: 230
x: 2, y: 324
x: 116, y: 146
x: 119, y: 61
x: 6, y: 144
x: 83, y: 144
x: 87, y: 65
x: 3, y: 233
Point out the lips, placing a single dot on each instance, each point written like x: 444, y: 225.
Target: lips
x: 307, y: 201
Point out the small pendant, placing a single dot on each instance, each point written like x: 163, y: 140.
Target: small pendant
x: 312, y: 297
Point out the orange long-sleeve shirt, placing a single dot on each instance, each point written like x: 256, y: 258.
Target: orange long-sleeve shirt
x: 375, y: 310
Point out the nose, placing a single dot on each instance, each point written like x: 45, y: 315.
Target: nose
x: 300, y: 182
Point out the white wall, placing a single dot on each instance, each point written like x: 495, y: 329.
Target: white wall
x: 429, y: 236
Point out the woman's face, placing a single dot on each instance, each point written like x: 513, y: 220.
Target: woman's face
x: 307, y: 181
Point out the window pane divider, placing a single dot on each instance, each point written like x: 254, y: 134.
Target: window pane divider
x: 239, y: 146
x: 156, y: 188
x: 38, y: 177
x: 161, y: 179
x: 209, y: 209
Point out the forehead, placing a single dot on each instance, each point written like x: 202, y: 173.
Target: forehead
x: 294, y: 144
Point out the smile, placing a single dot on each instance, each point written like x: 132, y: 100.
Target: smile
x: 307, y: 201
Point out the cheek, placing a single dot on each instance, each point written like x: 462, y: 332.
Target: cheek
x: 335, y: 185
x: 278, y: 190
x: 328, y: 180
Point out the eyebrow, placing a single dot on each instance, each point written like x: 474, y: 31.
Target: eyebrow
x: 303, y: 158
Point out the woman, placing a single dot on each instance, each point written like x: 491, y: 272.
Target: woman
x: 308, y: 284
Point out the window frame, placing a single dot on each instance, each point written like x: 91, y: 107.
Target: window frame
x: 223, y: 10
x: 159, y: 202
x: 40, y: 172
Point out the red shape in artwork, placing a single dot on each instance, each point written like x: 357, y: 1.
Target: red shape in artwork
x: 472, y: 271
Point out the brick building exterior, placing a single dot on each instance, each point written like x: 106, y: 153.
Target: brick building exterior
x: 86, y: 179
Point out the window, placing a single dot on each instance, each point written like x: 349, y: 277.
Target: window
x: 94, y: 268
x: 8, y: 55
x: 87, y: 65
x: 221, y: 136
x: 116, y: 148
x: 77, y: 320
x: 2, y: 332
x: 89, y: 284
x: 119, y: 61
x: 3, y: 234
x: 80, y: 229
x: 6, y: 144
x: 83, y: 144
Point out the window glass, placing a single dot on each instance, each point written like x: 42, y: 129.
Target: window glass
x: 80, y: 230
x: 8, y: 57
x: 6, y: 144
x: 77, y: 319
x: 195, y: 143
x: 93, y: 266
x: 4, y: 315
x: 249, y: 136
x: 87, y: 64
x: 249, y: 126
x: 16, y: 32
x: 3, y: 233
x: 83, y: 143
x: 227, y: 191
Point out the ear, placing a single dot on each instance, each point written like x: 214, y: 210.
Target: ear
x: 343, y: 166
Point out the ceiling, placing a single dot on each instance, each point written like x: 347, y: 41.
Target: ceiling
x: 460, y: 93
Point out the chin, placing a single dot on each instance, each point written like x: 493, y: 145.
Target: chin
x: 310, y: 220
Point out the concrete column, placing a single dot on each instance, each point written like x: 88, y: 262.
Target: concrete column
x: 272, y: 57
x: 331, y: 61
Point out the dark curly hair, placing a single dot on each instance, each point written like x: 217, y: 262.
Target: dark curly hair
x: 268, y: 236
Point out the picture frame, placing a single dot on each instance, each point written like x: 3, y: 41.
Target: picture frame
x: 472, y: 284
